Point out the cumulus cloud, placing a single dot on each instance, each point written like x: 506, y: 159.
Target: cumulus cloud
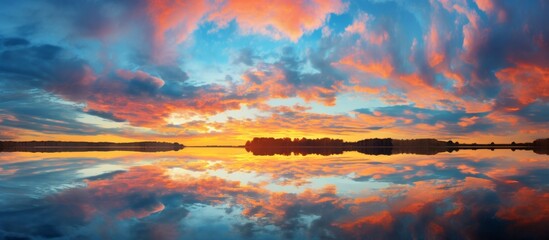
x: 285, y: 78
x: 283, y: 19
x: 135, y: 96
x: 137, y: 61
x: 458, y: 122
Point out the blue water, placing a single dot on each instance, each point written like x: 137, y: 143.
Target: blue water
x: 222, y: 193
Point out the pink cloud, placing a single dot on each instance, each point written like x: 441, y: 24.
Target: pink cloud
x: 435, y: 52
x: 485, y: 5
x: 526, y: 82
x: 281, y: 19
x: 359, y: 26
x: 173, y: 22
x: 140, y: 76
x: 380, y: 68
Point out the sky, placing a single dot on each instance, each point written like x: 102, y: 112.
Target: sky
x: 224, y: 71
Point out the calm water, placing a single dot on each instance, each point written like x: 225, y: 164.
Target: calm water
x: 202, y: 193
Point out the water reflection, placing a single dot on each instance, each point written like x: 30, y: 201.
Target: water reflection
x: 327, y: 151
x: 232, y: 194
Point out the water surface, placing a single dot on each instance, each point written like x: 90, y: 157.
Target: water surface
x: 228, y: 193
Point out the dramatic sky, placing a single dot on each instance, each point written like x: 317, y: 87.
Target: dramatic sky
x: 223, y: 71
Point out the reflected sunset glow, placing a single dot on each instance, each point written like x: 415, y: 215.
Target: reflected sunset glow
x: 339, y: 196
x: 274, y: 119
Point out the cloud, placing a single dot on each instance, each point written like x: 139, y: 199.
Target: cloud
x: 41, y: 112
x: 535, y: 112
x: 286, y: 19
x: 442, y: 198
x: 485, y: 5
x: 173, y: 22
x: 361, y: 26
x: 453, y: 168
x: 8, y: 42
x: 246, y: 56
x: 526, y: 83
x: 105, y: 115
x: 285, y: 78
x: 118, y: 95
x: 452, y: 122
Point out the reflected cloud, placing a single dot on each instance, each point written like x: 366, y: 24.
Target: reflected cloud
x: 441, y: 196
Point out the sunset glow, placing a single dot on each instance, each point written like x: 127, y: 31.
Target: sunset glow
x: 173, y: 195
x: 209, y: 72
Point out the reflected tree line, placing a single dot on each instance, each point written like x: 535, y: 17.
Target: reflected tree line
x: 376, y: 146
x: 286, y: 146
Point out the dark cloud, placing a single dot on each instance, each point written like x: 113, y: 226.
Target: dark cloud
x: 54, y: 69
x: 246, y: 56
x: 105, y: 115
x: 407, y: 174
x: 432, y: 116
x: 39, y: 111
x: 246, y: 230
x: 15, y: 42
x: 535, y: 112
x: 176, y: 82
x: 364, y: 111
x: 46, y: 67
x: 450, y: 119
x: 143, y: 87
x: 323, y: 84
x: 535, y: 178
x: 97, y: 19
x: 108, y: 175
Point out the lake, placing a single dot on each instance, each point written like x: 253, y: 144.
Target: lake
x: 228, y: 193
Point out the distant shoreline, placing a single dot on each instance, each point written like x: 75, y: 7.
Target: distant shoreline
x: 284, y: 146
x: 61, y: 146
x: 216, y: 146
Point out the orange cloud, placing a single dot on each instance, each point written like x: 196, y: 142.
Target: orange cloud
x: 359, y: 26
x: 173, y: 22
x: 137, y: 97
x: 526, y: 82
x: 527, y: 206
x: 282, y: 19
x: 270, y: 81
x: 382, y: 68
x: 485, y: 5
x: 382, y: 219
x: 271, y: 84
x: 416, y: 87
x: 473, y: 34
x: 435, y: 52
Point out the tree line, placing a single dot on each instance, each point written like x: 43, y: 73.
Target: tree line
x: 331, y: 142
x: 376, y: 146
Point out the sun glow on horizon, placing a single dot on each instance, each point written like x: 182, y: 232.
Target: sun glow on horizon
x: 221, y: 73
